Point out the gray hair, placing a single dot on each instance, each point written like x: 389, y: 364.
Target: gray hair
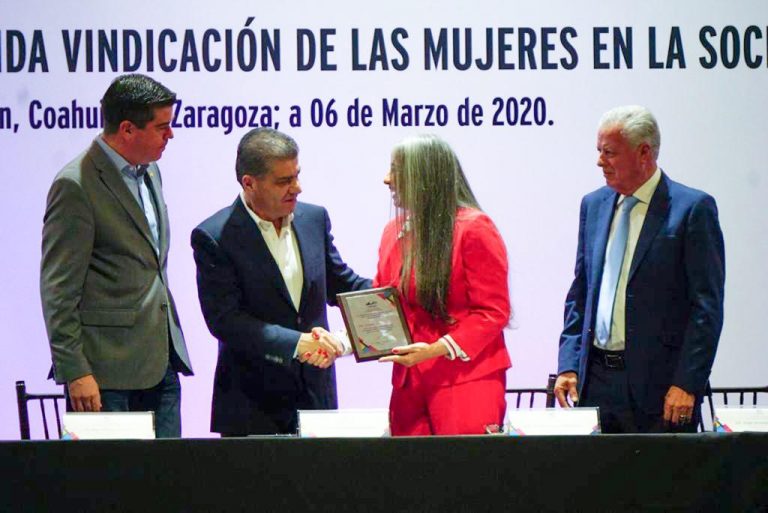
x: 637, y: 126
x: 259, y: 148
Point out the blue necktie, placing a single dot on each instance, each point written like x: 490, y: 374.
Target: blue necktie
x: 611, y: 271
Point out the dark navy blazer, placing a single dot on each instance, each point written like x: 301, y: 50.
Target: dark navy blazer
x: 674, y: 298
x: 258, y: 384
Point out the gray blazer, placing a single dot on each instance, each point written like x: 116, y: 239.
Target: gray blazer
x: 104, y: 288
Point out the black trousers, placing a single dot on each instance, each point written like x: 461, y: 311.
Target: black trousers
x: 607, y: 387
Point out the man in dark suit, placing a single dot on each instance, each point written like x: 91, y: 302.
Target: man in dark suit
x: 266, y: 268
x: 112, y: 323
x: 645, y: 310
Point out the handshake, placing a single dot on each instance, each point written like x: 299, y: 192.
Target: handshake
x: 320, y: 348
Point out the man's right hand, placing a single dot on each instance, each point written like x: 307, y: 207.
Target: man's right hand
x: 566, y: 387
x: 84, y: 394
x: 318, y: 348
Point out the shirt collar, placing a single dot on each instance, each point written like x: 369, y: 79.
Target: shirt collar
x: 263, y: 224
x: 644, y: 193
x: 119, y: 161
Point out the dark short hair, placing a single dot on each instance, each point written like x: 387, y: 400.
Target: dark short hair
x: 259, y: 148
x: 133, y: 98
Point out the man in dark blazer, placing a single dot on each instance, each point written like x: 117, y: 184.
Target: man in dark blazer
x: 266, y: 268
x: 645, y: 310
x: 111, y: 320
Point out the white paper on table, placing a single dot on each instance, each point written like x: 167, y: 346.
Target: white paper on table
x: 553, y: 421
x: 739, y: 419
x: 368, y: 423
x: 108, y: 425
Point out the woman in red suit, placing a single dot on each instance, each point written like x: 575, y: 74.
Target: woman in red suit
x: 449, y: 263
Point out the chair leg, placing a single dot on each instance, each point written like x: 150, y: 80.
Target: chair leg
x: 58, y: 416
x: 551, y: 390
x: 21, y: 401
x: 45, y: 420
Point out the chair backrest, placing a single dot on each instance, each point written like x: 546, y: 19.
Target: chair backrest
x: 46, y: 403
x: 739, y: 396
x: 729, y: 396
x: 532, y: 397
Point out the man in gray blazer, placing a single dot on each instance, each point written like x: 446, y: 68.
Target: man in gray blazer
x: 112, y: 324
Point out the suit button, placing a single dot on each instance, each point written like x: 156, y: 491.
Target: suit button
x: 298, y: 320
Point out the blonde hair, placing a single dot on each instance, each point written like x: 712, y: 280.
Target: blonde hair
x: 431, y: 186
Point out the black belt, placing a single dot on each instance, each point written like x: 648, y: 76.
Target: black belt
x: 608, y: 359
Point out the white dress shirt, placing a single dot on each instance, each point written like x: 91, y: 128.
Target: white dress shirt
x: 284, y: 249
x: 617, y: 339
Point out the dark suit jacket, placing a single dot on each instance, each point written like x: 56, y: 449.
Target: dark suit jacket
x: 104, y: 287
x: 258, y: 384
x: 674, y: 299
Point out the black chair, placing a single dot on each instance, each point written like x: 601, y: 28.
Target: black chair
x: 45, y: 401
x: 729, y: 396
x: 532, y: 394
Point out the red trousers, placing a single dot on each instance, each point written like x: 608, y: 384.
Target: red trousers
x: 463, y: 409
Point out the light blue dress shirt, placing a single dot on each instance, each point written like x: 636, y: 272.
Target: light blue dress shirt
x: 135, y: 179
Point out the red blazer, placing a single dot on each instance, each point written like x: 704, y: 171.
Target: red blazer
x: 478, y: 301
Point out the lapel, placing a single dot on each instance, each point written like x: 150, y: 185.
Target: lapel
x: 110, y: 177
x: 252, y: 243
x: 602, y: 227
x: 658, y: 210
x: 155, y: 189
x: 302, y: 231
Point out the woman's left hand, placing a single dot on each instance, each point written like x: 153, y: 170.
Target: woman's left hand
x: 414, y: 353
